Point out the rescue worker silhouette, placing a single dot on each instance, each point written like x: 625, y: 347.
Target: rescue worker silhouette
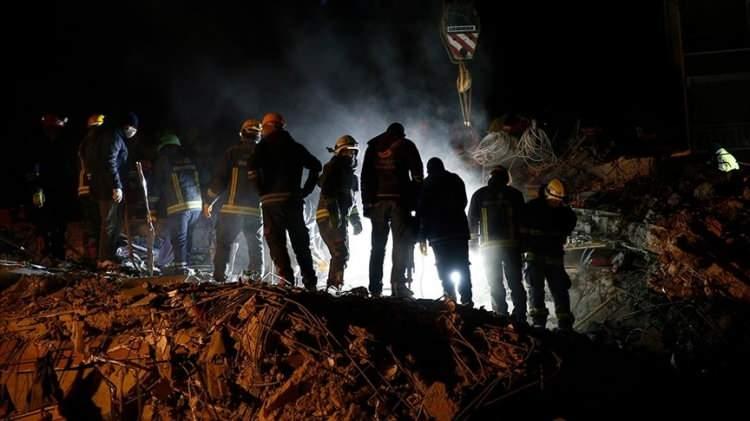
x: 240, y: 211
x: 50, y: 181
x: 443, y: 222
x: 495, y: 216
x: 337, y: 206
x: 279, y: 162
x: 108, y: 179
x: 391, y: 180
x: 177, y: 189
x: 89, y: 206
x: 549, y: 221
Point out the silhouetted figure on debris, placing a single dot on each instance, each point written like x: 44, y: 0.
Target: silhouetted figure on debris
x: 391, y: 180
x: 548, y: 222
x: 443, y: 222
x: 177, y: 189
x: 236, y: 184
x: 108, y: 179
x: 337, y: 207
x: 495, y: 218
x: 279, y: 161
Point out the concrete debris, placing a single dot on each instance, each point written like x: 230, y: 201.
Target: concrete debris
x: 103, y: 347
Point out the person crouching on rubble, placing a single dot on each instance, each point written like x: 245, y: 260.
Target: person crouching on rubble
x: 495, y: 216
x: 240, y: 211
x: 548, y: 222
x: 337, y: 206
x: 177, y: 189
x: 108, y: 175
x: 443, y: 222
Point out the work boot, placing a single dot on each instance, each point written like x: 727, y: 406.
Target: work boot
x: 310, y: 284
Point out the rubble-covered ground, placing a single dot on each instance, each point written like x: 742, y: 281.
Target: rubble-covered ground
x: 660, y: 292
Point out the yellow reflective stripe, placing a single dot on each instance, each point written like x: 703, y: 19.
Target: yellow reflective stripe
x: 233, y: 186
x: 275, y: 197
x: 240, y: 210
x: 84, y: 190
x: 177, y: 189
x: 322, y: 213
x: 183, y: 206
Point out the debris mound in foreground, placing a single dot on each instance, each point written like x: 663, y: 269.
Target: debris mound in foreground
x: 93, y: 347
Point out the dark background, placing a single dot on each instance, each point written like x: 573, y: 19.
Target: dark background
x: 333, y: 67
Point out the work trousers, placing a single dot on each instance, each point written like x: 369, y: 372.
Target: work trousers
x: 228, y: 228
x: 337, y: 241
x: 539, y: 268
x: 385, y: 215
x: 452, y: 256
x: 503, y: 264
x: 110, y: 216
x: 278, y: 218
x: 180, y: 230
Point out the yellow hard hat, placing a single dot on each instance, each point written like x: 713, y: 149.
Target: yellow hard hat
x: 555, y: 190
x: 95, y: 120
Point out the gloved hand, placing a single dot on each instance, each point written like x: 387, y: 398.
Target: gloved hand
x: 207, y: 209
x: 117, y: 195
x: 356, y: 224
x: 38, y: 198
x: 423, y: 247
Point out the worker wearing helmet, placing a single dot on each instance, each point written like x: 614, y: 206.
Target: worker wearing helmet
x: 279, y: 162
x: 391, y: 180
x: 548, y: 222
x: 51, y: 189
x: 337, y: 207
x: 234, y: 188
x: 89, y: 207
x: 177, y: 190
x: 495, y: 220
x: 443, y: 222
x: 108, y: 169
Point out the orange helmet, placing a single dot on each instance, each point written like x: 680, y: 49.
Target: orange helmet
x: 555, y: 190
x: 95, y: 120
x: 250, y: 124
x: 274, y: 119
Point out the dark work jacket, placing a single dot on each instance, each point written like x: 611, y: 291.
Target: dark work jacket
x: 234, y: 180
x: 442, y: 207
x: 86, y: 157
x: 176, y: 183
x: 495, y: 214
x: 391, y: 170
x: 338, y: 185
x: 278, y: 162
x: 108, y: 166
x: 547, y: 228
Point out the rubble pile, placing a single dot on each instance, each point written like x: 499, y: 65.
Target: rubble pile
x: 95, y: 346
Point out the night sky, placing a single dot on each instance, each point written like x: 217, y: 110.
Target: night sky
x: 334, y: 67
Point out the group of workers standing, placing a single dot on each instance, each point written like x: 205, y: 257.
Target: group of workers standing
x: 257, y: 186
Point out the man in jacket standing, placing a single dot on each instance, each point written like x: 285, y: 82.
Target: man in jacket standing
x: 443, y: 222
x: 391, y: 180
x: 108, y: 177
x: 337, y: 207
x: 495, y: 216
x: 549, y: 222
x: 89, y: 205
x: 236, y: 184
x: 177, y: 189
x: 278, y: 162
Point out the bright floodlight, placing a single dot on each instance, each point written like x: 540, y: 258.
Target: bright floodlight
x: 455, y: 276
